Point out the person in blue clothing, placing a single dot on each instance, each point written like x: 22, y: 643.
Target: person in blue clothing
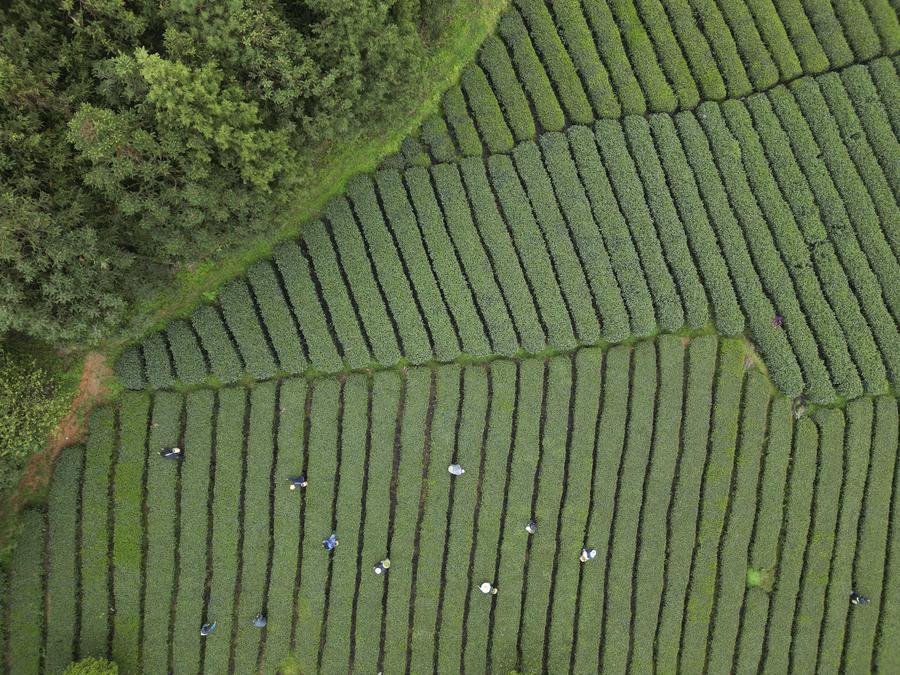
x: 858, y: 599
x: 298, y: 482
x: 260, y: 620
x: 171, y: 453
x: 207, y: 628
x: 331, y: 543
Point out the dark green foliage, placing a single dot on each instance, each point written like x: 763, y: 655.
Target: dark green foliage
x: 62, y: 518
x: 441, y: 253
x: 26, y: 607
x: 95, y: 508
x: 486, y: 110
x: 223, y: 357
x: 495, y: 60
x: 657, y: 91
x: 402, y: 222
x: 533, y: 251
x: 190, y: 367
x: 886, y: 657
x: 158, y: 364
x: 669, y: 229
x: 276, y: 316
x: 475, y: 259
x: 579, y: 41
x: 390, y: 272
x: 592, y: 253
x: 884, y: 19
x: 458, y: 119
x: 859, y: 30
x: 531, y: 72
x: 129, y: 369
x: 505, y: 263
x: 301, y: 295
x: 611, y: 223
x: 413, y: 152
x: 566, y: 263
x: 437, y: 138
x: 192, y: 553
x: 555, y: 58
x: 631, y: 198
x: 127, y: 493
x: 244, y: 323
x: 774, y: 34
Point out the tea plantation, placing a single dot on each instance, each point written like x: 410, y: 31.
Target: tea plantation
x: 638, y: 277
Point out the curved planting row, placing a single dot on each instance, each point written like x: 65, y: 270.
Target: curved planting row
x: 734, y: 213
x: 728, y: 535
x: 556, y: 63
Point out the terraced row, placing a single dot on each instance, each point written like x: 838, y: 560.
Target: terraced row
x: 671, y: 458
x: 555, y: 63
x: 783, y: 204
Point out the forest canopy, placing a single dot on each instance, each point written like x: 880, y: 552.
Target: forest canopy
x: 137, y: 135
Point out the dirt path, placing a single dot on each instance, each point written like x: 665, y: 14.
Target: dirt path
x: 92, y: 390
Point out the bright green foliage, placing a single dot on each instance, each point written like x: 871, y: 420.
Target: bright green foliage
x: 127, y: 493
x: 556, y: 59
x: 611, y: 223
x: 402, y: 223
x: 669, y: 54
x: 495, y: 60
x: 224, y: 360
x: 95, y: 508
x: 26, y: 610
x: 829, y: 33
x: 592, y: 255
x: 886, y: 657
x: 804, y: 39
x: 457, y: 294
x: 759, y: 64
x: 161, y: 517
x: 532, y: 249
x: 255, y: 526
x: 870, y: 557
x: 244, y: 323
x: 486, y: 110
x: 461, y: 124
x: 192, y: 552
x: 530, y: 70
x: 505, y: 262
x: 630, y: 196
x: 576, y: 35
x: 568, y: 266
x: 190, y: 367
x: 391, y: 273
x: 62, y: 519
x: 475, y: 260
x: 277, y: 318
x: 367, y: 294
x: 92, y: 666
x: 858, y: 28
x: 307, y: 308
x: 158, y: 364
x: 722, y: 43
x: 669, y: 229
x: 436, y: 137
x: 319, y: 254
x: 773, y: 32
